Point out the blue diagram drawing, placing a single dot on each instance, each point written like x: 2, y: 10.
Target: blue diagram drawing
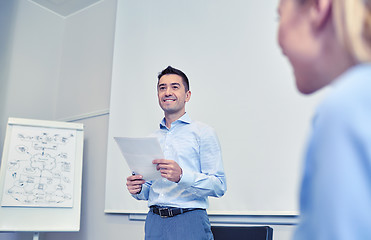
x: 40, y: 169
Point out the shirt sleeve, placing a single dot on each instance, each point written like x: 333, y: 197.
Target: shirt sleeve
x: 211, y: 180
x: 336, y: 189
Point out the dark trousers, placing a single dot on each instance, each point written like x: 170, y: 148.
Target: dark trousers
x: 193, y: 225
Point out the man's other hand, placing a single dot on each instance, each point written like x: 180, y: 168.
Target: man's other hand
x: 134, y: 183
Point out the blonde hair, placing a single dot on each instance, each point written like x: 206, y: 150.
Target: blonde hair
x: 353, y: 27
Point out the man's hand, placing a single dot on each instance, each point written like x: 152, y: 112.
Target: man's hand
x: 169, y: 169
x: 134, y: 183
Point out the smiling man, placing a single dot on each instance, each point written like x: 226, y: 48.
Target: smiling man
x: 191, y: 171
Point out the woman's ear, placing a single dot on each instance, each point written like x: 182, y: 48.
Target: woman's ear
x: 320, y: 13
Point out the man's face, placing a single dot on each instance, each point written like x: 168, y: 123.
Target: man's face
x: 172, y: 95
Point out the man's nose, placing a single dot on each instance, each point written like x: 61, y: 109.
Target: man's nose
x: 168, y: 92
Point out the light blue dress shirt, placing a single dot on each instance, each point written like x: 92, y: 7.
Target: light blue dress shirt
x: 195, y: 147
x: 336, y: 189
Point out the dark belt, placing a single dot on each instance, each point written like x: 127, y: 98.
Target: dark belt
x: 170, y: 211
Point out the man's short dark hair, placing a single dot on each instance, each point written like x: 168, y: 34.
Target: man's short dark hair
x: 171, y: 70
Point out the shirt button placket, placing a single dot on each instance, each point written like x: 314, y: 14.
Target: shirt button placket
x: 167, y: 141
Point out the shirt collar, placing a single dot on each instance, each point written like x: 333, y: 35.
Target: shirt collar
x: 357, y: 71
x: 184, y: 119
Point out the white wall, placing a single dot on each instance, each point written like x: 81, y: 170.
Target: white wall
x: 32, y: 53
x: 86, y: 63
x: 59, y: 68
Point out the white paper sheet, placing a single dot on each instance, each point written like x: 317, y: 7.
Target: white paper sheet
x: 139, y: 154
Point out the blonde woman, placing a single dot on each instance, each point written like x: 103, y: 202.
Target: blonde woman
x: 328, y: 42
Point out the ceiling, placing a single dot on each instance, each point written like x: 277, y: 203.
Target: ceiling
x: 65, y: 7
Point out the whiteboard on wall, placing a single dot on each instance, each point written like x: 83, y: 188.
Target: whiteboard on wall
x: 241, y: 85
x: 40, y: 177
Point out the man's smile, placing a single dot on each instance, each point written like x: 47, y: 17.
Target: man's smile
x: 169, y: 100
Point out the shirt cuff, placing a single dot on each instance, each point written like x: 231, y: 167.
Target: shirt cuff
x: 187, y: 179
x: 142, y: 194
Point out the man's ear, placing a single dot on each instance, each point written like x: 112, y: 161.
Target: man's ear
x: 320, y: 13
x: 188, y: 96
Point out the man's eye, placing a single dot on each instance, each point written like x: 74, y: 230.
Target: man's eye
x: 175, y: 87
x: 162, y: 88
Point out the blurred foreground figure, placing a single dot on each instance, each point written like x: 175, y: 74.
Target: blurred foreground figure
x: 328, y: 42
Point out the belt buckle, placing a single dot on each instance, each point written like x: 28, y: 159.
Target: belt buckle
x: 165, y: 212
